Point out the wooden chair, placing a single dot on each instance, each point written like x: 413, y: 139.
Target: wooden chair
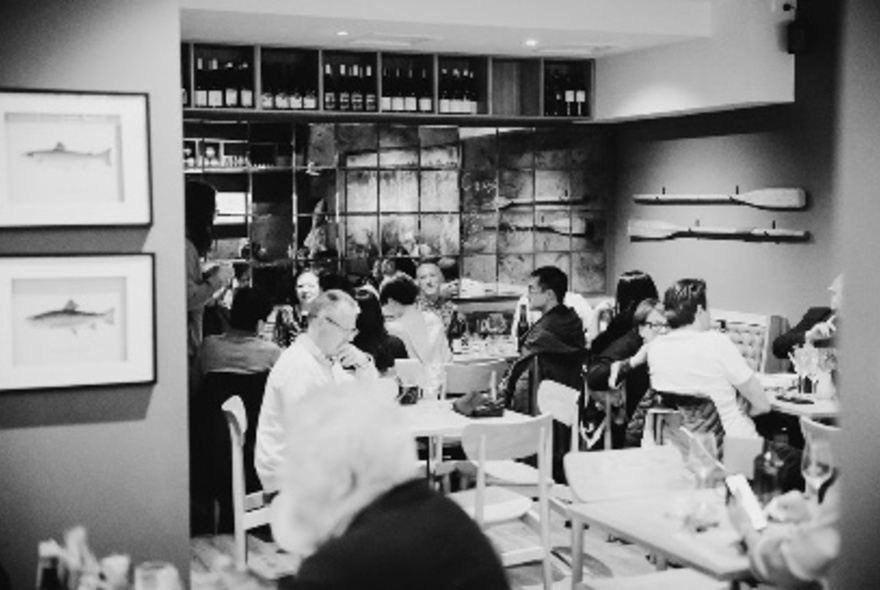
x: 813, y: 430
x: 249, y: 510
x: 561, y: 402
x: 489, y: 504
x: 682, y: 579
x: 464, y: 378
x: 410, y: 371
x: 753, y: 334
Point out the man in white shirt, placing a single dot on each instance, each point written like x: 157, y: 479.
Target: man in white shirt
x: 323, y: 355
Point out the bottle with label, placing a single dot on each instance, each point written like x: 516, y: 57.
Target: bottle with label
x: 343, y: 90
x: 445, y: 99
x: 456, y: 102
x: 230, y: 90
x: 267, y: 96
x: 397, y: 90
x: 370, y: 103
x: 522, y: 325
x: 357, y: 88
x: 215, y: 91
x: 410, y: 95
x: 246, y: 90
x: 329, y: 88
x: 310, y: 99
x: 426, y: 100
x: 282, y: 99
x: 201, y: 94
x: 385, y: 103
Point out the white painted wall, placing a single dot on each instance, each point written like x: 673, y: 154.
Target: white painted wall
x: 743, y: 63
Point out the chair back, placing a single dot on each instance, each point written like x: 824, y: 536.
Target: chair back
x: 561, y: 402
x: 753, y: 334
x: 462, y: 378
x: 249, y: 510
x: 813, y: 430
x: 410, y: 371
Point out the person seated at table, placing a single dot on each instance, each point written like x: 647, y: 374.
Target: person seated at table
x: 818, y: 326
x: 291, y: 320
x: 430, y: 280
x: 619, y: 374
x: 422, y: 332
x: 799, y: 551
x: 700, y: 371
x: 321, y: 356
x: 633, y: 287
x: 240, y: 349
x: 351, y: 505
x: 372, y: 336
x: 575, y: 301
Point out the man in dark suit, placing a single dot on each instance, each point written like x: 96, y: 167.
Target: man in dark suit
x: 818, y: 326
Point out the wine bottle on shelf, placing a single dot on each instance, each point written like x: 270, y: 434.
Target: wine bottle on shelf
x: 282, y: 99
x: 369, y: 89
x: 267, y: 92
x: 410, y: 94
x: 329, y: 89
x: 387, y: 84
x: 397, y: 98
x: 201, y: 94
x: 457, y: 99
x: 310, y: 98
x: 580, y: 99
x: 470, y: 92
x: 245, y: 84
x: 343, y: 91
x: 230, y: 91
x: 426, y: 98
x: 215, y: 91
x: 357, y: 88
x: 443, y: 84
x: 296, y: 96
x: 569, y: 97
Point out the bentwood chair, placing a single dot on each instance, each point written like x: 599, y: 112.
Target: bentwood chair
x: 249, y: 510
x: 491, y: 505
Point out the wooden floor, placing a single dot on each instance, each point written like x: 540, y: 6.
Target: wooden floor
x: 603, y: 558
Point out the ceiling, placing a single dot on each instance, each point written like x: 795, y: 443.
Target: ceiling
x: 560, y: 28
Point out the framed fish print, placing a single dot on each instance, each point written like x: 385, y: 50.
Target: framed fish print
x: 76, y: 321
x: 74, y: 159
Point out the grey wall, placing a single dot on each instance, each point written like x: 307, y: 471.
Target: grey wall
x: 777, y: 146
x: 857, y: 179
x: 113, y: 459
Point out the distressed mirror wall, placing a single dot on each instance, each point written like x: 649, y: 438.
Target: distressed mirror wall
x: 494, y: 202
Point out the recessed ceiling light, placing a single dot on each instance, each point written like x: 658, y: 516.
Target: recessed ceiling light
x: 531, y: 42
x: 342, y: 33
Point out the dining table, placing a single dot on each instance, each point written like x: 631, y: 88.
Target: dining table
x: 781, y: 389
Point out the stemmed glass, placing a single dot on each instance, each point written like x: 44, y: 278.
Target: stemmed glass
x: 703, y: 457
x: 817, y: 465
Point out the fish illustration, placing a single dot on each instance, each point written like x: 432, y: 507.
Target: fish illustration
x: 71, y: 317
x: 60, y: 155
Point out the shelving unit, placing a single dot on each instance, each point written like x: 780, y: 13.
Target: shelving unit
x: 255, y: 79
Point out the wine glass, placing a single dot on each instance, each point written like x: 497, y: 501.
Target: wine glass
x: 703, y: 457
x: 817, y: 464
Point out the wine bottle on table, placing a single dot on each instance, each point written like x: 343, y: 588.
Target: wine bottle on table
x: 522, y: 325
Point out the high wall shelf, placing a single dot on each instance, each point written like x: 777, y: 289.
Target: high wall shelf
x: 252, y: 80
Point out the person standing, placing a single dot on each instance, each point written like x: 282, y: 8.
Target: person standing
x: 201, y: 287
x: 323, y: 355
x: 818, y: 326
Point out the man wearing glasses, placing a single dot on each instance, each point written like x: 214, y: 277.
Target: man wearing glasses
x: 322, y: 356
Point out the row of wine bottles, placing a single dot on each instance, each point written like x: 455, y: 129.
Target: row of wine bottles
x: 406, y: 90
x: 564, y: 96
x: 349, y: 87
x: 287, y: 87
x: 222, y: 85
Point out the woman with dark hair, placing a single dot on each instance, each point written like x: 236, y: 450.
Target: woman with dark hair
x: 422, y: 332
x: 292, y: 319
x: 200, y: 204
x: 633, y: 287
x: 619, y: 374
x: 372, y: 337
x: 694, y: 368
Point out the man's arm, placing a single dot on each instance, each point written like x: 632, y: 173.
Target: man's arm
x: 785, y: 343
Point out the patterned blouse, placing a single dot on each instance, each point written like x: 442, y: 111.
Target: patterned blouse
x: 440, y: 306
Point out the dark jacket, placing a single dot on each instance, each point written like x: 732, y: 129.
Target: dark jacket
x: 636, y: 380
x: 785, y: 343
x: 410, y: 537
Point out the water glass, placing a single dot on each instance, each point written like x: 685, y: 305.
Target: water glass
x: 817, y: 464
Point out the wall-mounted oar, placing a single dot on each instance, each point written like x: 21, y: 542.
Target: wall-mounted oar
x: 505, y: 203
x: 642, y: 229
x: 766, y: 198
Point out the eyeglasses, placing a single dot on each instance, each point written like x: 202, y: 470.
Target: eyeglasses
x: 349, y: 331
x: 659, y: 326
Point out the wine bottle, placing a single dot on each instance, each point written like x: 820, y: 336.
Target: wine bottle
x: 245, y: 84
x: 569, y: 97
x: 201, y: 95
x: 329, y: 88
x: 343, y: 91
x: 369, y: 89
x: 310, y: 99
x: 230, y: 92
x: 267, y: 94
x: 580, y: 99
x: 426, y: 99
x: 522, y: 325
x: 357, y: 88
x: 282, y: 100
x: 410, y: 98
x: 470, y: 97
x: 443, y: 82
x: 385, y: 103
x: 456, y: 102
x: 215, y: 92
x: 397, y: 98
